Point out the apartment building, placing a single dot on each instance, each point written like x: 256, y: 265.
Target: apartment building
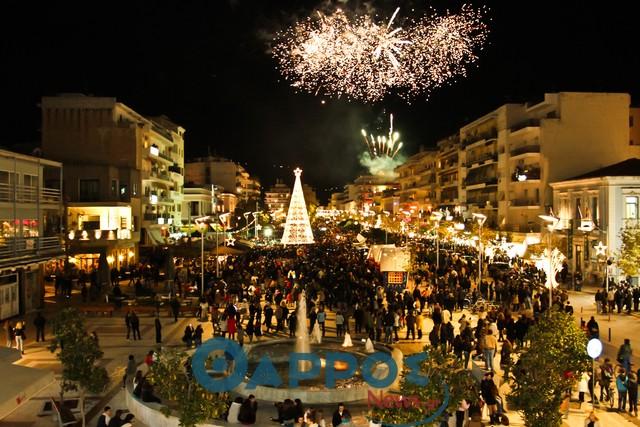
x: 593, y: 208
x: 417, y: 182
x: 123, y: 175
x: 502, y: 163
x: 277, y: 199
x: 31, y: 215
x: 310, y: 196
x: 227, y: 175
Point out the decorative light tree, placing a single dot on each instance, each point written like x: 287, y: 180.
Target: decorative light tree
x: 556, y: 258
x: 297, y: 229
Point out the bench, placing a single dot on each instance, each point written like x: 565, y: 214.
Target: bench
x: 104, y: 309
x: 145, y: 309
x: 65, y: 417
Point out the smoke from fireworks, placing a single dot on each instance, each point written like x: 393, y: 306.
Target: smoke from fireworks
x: 359, y: 58
x: 381, y: 157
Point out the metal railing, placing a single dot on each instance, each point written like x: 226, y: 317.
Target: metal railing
x: 526, y: 124
x: 26, y: 194
x: 481, y: 180
x: 24, y: 246
x: 482, y: 159
x: 529, y: 175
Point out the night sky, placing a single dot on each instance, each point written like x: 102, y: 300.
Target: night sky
x: 206, y: 65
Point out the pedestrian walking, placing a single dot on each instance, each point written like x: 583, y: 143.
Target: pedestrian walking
x: 187, y: 338
x: 158, y: 327
x: 489, y: 347
x: 135, y: 325
x: 19, y: 333
x: 127, y: 322
x: 197, y: 335
x: 175, y: 308
x: 621, y: 385
x: 39, y: 323
x: 624, y: 355
x: 339, y: 324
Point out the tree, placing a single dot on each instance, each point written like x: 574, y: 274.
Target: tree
x: 557, y: 355
x: 629, y: 254
x: 442, y: 369
x: 79, y: 355
x: 173, y: 381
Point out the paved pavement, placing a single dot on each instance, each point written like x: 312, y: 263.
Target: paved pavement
x: 111, y: 332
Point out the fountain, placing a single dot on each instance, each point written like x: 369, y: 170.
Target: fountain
x: 302, y: 333
x: 313, y: 391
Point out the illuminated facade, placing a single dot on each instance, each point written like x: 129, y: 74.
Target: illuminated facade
x: 114, y: 156
x: 593, y: 208
x: 227, y: 175
x: 277, y: 199
x: 30, y: 239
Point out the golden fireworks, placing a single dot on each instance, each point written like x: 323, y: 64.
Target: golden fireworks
x: 359, y: 58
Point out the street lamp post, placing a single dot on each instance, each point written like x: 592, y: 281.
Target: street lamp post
x: 436, y: 216
x: 202, y: 223
x: 480, y: 218
x: 552, y: 223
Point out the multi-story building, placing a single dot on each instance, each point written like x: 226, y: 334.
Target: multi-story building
x: 417, y: 182
x: 277, y: 199
x: 225, y: 174
x: 310, y: 197
x: 116, y: 161
x: 502, y: 163
x: 448, y: 172
x: 31, y: 216
x: 593, y: 208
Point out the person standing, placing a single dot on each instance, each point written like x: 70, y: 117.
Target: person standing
x: 411, y: 325
x: 39, y: 323
x: 130, y: 370
x: 127, y: 322
x: 621, y: 385
x: 632, y: 390
x: 624, y: 354
x: 197, y: 335
x: 489, y: 347
x: 158, y: 326
x: 321, y: 320
x: 187, y: 338
x: 20, y: 336
x: 339, y: 324
x: 175, y: 308
x: 135, y: 325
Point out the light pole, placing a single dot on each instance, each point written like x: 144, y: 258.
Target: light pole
x: 594, y: 350
x: 246, y: 227
x: 436, y: 216
x: 480, y: 218
x: 202, y: 224
x: 255, y: 220
x: 222, y: 218
x: 552, y: 223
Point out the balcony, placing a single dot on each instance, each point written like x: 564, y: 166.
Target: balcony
x: 483, y: 200
x: 526, y: 175
x: 481, y: 160
x: 157, y: 175
x: 29, y: 246
x: 524, y: 203
x: 532, y: 123
x: 175, y: 169
x: 527, y: 149
x: 99, y: 235
x: 477, y: 138
x: 480, y: 181
x: 28, y: 194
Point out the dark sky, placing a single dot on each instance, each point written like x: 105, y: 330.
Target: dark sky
x: 205, y: 64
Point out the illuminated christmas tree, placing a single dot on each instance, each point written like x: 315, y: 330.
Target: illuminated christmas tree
x: 297, y: 229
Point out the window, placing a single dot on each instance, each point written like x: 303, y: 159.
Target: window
x: 578, y: 212
x: 89, y: 190
x: 134, y: 189
x: 631, y: 207
x: 114, y: 187
x: 124, y: 191
x: 595, y: 213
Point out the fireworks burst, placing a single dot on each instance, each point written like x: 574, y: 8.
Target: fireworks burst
x: 359, y: 58
x: 381, y: 157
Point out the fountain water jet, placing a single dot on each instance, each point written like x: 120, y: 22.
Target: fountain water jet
x: 302, y: 333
